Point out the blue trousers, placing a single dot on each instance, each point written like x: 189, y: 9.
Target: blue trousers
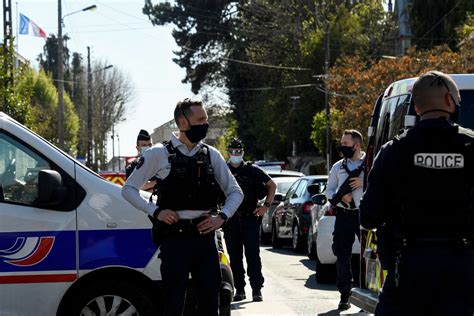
x: 197, y: 255
x: 432, y: 282
x: 346, y: 228
x: 243, y: 234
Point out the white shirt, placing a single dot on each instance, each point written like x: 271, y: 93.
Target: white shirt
x: 338, y: 175
x: 156, y: 164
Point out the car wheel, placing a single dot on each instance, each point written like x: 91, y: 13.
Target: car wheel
x: 311, y: 246
x: 109, y: 297
x: 297, y: 240
x: 325, y: 273
x: 276, y: 241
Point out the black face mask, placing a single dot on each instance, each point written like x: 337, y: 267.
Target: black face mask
x: 346, y: 151
x: 197, y: 133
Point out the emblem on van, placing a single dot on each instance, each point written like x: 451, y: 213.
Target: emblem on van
x: 28, y: 251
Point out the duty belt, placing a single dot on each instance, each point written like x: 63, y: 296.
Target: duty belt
x: 343, y: 210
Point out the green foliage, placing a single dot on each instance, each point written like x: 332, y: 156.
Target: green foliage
x: 434, y: 21
x: 44, y: 105
x: 225, y: 139
x: 318, y: 134
x: 14, y: 99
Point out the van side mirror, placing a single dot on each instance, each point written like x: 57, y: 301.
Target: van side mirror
x: 319, y: 199
x: 278, y: 197
x: 314, y: 189
x: 51, y: 190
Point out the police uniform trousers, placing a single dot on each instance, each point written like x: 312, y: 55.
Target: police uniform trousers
x: 195, y: 254
x: 346, y: 228
x: 431, y: 282
x: 242, y: 233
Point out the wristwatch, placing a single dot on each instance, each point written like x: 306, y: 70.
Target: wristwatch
x: 267, y: 204
x: 223, y: 216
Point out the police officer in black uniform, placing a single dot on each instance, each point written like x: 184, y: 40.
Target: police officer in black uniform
x: 420, y: 199
x: 242, y: 231
x: 144, y: 142
x: 190, y: 176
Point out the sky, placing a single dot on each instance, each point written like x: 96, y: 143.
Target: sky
x: 118, y: 32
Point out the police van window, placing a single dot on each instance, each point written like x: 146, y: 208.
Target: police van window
x: 466, y: 112
x: 397, y: 115
x: 301, y: 189
x: 19, y: 168
x: 380, y: 125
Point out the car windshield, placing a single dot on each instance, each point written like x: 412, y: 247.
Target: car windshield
x: 282, y: 187
x: 466, y: 112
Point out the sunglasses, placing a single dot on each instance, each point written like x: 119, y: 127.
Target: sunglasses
x: 439, y: 81
x: 235, y: 151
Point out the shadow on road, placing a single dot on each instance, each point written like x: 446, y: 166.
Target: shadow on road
x: 312, y: 284
x: 238, y: 305
x: 336, y: 312
x: 282, y: 251
x: 310, y: 264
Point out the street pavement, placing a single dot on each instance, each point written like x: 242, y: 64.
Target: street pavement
x: 291, y: 289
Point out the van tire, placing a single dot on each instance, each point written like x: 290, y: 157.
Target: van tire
x: 325, y: 273
x: 130, y: 293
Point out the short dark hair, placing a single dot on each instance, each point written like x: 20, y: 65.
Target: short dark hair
x: 356, y: 135
x: 183, y: 109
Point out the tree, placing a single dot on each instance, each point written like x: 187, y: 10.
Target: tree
x: 434, y: 22
x: 111, y: 92
x: 44, y: 105
x: 79, y: 98
x: 15, y: 93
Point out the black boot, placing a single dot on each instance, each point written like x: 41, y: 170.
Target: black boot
x: 344, y: 303
x: 239, y: 296
x: 257, y: 296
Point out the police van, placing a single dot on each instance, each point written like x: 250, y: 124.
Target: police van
x: 69, y: 243
x: 393, y: 112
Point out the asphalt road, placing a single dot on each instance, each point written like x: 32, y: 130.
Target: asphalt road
x: 291, y: 289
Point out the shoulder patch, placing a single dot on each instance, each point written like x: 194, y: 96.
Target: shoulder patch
x: 439, y: 161
x: 140, y: 162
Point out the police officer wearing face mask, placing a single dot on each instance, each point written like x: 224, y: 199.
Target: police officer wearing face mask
x: 242, y: 232
x: 191, y: 174
x: 346, y: 182
x: 143, y: 143
x: 420, y: 198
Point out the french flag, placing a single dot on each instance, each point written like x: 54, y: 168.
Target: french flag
x: 26, y: 24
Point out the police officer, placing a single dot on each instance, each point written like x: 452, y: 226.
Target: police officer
x: 144, y: 142
x: 347, y: 172
x: 420, y: 199
x: 190, y: 175
x: 242, y: 231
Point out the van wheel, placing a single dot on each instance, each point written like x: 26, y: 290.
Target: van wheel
x: 108, y: 297
x: 276, y: 242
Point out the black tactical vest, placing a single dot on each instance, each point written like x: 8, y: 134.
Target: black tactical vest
x: 191, y: 183
x: 436, y: 189
x: 251, y: 188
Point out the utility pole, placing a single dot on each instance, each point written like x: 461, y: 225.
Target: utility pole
x: 60, y: 78
x: 295, y: 99
x: 326, y: 100
x: 89, y: 109
x: 113, y: 147
x: 118, y: 143
x: 7, y: 36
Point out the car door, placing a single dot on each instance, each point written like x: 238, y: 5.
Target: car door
x: 280, y: 212
x: 37, y: 243
x: 293, y: 204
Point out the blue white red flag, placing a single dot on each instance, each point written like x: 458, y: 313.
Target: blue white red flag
x: 26, y: 25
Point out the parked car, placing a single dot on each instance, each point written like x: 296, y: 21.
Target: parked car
x: 283, y: 184
x: 320, y: 243
x: 291, y: 219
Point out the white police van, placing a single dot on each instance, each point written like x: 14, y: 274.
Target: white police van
x: 69, y: 243
x: 393, y: 112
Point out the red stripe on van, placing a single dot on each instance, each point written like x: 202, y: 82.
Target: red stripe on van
x: 37, y: 278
